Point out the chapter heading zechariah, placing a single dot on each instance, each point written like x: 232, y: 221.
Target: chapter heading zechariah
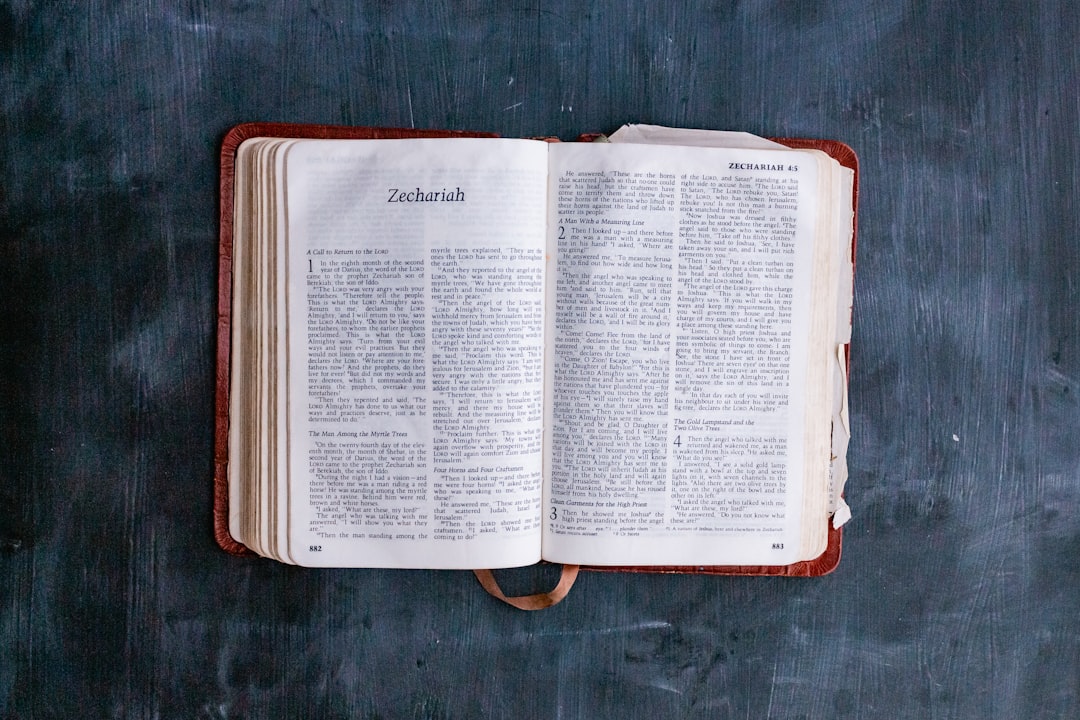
x: 418, y: 195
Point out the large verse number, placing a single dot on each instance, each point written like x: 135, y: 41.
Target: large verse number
x: 562, y: 232
x: 678, y: 441
x: 554, y: 514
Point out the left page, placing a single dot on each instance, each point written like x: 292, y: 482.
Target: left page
x: 414, y: 278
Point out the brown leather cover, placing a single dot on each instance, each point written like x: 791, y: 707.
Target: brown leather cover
x: 821, y: 565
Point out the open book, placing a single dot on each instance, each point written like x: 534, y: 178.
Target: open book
x: 463, y: 352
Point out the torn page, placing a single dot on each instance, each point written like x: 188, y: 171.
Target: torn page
x: 659, y: 135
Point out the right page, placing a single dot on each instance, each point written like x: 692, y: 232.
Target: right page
x: 689, y: 354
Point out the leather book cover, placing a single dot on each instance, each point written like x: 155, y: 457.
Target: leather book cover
x: 821, y: 565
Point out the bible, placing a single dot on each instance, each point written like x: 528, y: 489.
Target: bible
x: 442, y: 350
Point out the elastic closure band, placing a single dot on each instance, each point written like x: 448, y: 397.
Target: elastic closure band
x: 539, y: 601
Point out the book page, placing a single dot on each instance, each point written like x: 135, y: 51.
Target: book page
x: 415, y: 288
x: 678, y: 355
x: 842, y: 180
x: 659, y: 135
x: 843, y: 226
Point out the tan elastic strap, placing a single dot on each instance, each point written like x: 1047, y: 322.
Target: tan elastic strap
x: 539, y: 601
